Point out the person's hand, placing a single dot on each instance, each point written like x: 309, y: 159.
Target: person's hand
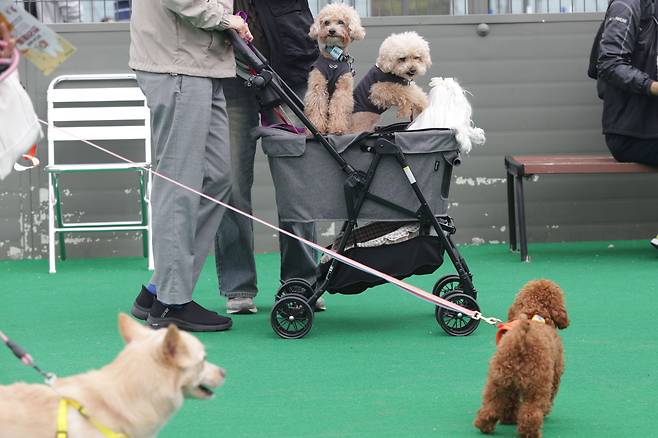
x: 236, y: 22
x: 654, y: 88
x: 6, y: 49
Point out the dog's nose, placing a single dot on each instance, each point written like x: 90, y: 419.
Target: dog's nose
x: 412, y: 71
x: 222, y: 372
x: 332, y: 31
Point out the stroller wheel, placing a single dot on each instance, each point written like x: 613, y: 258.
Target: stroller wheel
x: 446, y: 285
x: 292, y: 317
x: 294, y: 286
x: 456, y: 323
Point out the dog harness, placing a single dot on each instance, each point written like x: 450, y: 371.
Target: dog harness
x: 362, y: 102
x: 62, y: 420
x: 332, y: 70
x: 509, y: 325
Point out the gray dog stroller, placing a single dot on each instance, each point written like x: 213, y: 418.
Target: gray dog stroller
x: 392, y: 176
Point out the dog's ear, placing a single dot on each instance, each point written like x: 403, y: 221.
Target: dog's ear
x: 130, y: 329
x: 559, y: 316
x: 427, y: 59
x: 314, y: 31
x: 357, y: 32
x: 172, y: 345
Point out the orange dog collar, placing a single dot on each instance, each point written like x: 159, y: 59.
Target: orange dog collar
x: 509, y: 325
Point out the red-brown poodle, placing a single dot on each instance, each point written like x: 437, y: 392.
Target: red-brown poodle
x: 524, y: 373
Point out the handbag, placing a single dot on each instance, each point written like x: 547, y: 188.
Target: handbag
x: 19, y: 125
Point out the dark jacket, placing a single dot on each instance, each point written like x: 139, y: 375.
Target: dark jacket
x: 627, y: 65
x: 285, y: 25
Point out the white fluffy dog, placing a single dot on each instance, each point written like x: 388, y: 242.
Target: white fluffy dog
x: 449, y: 108
x: 389, y: 83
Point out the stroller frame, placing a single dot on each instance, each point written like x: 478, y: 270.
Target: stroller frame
x: 292, y: 315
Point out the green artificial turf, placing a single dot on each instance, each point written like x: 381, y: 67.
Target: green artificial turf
x: 375, y: 364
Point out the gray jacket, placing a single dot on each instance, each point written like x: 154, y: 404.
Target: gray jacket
x: 181, y: 36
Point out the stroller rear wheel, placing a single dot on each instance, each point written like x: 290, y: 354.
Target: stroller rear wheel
x: 446, y: 285
x: 294, y: 286
x: 456, y: 323
x: 292, y: 317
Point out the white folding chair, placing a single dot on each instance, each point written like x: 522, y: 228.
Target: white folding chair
x: 95, y: 109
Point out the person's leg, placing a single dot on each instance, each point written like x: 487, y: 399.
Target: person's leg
x: 299, y: 260
x: 234, y: 242
x: 181, y: 121
x: 636, y: 150
x: 629, y: 149
x: 217, y: 178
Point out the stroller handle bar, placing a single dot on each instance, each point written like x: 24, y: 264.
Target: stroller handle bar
x: 270, y: 78
x: 245, y: 51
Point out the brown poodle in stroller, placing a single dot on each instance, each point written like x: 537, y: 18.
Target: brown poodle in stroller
x: 524, y: 373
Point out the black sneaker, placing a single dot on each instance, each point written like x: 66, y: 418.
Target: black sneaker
x: 142, y: 304
x: 190, y: 317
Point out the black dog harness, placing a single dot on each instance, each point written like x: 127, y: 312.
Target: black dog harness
x: 332, y: 70
x: 362, y: 101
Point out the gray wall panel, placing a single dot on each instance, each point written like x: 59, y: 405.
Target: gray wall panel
x: 530, y: 95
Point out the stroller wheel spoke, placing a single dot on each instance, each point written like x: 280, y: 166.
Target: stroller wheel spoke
x: 446, y: 285
x: 296, y: 286
x: 292, y: 317
x: 454, y: 322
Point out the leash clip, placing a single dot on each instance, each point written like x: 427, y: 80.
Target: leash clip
x: 49, y: 379
x: 489, y: 320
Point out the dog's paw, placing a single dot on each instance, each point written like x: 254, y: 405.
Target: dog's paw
x: 486, y: 425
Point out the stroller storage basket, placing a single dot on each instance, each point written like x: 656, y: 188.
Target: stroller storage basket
x: 309, y: 185
x: 417, y: 256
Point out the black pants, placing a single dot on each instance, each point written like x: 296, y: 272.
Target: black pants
x: 631, y: 149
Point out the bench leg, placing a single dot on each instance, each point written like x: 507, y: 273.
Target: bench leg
x: 520, y: 202
x: 511, y: 213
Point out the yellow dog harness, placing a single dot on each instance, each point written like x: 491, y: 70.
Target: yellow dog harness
x: 62, y: 420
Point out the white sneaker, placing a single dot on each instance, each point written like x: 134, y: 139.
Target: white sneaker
x: 320, y: 305
x: 654, y: 242
x: 241, y: 305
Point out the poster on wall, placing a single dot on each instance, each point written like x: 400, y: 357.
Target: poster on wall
x: 36, y: 41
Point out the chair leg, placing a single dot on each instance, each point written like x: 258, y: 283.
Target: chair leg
x: 521, y: 217
x: 62, y: 246
x: 51, y: 227
x: 511, y: 213
x: 146, y: 199
x: 58, y: 216
x: 144, y: 213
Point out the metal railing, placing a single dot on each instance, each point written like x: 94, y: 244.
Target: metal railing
x: 380, y: 8
x: 90, y: 11
x: 77, y: 11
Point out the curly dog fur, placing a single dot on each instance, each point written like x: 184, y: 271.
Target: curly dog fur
x: 525, y: 371
x: 406, y: 56
x: 335, y: 25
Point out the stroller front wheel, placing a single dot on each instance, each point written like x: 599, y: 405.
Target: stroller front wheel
x: 296, y: 286
x: 446, y: 285
x: 456, y: 323
x: 292, y: 317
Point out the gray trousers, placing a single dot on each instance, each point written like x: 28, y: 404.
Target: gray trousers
x: 234, y: 244
x: 189, y: 128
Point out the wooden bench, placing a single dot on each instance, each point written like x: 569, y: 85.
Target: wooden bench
x: 520, y: 166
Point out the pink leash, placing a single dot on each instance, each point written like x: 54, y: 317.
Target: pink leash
x: 353, y: 263
x: 12, y: 62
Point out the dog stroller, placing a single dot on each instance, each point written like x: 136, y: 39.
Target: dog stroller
x: 398, y: 178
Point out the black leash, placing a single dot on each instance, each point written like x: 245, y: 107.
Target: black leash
x: 26, y: 358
